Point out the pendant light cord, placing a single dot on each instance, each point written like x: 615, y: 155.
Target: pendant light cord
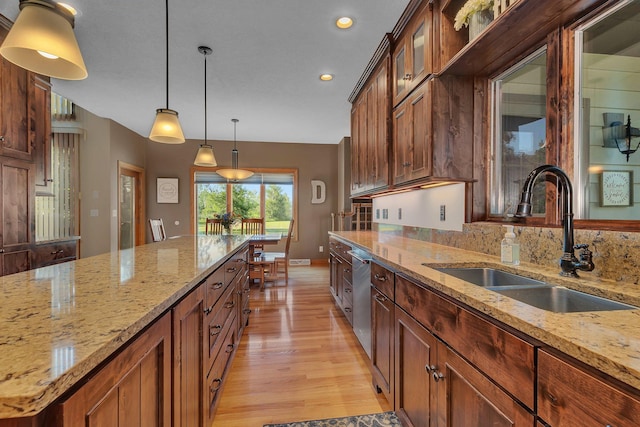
x: 205, y: 99
x: 167, y: 47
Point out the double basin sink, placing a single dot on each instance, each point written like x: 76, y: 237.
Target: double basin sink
x: 534, y: 292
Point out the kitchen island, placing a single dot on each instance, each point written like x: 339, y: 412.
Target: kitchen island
x: 59, y: 323
x: 564, y: 368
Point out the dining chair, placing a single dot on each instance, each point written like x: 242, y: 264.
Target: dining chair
x: 253, y: 226
x: 213, y: 226
x: 157, y: 229
x: 277, y: 263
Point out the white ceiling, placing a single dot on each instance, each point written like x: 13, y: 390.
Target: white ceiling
x: 264, y: 70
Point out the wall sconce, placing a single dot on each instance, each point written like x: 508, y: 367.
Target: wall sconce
x: 618, y: 135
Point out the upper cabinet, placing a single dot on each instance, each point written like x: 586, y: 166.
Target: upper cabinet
x: 370, y: 133
x: 412, y: 53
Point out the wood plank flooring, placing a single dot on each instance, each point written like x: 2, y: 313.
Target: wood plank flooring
x: 298, y: 359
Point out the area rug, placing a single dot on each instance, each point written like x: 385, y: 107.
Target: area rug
x: 385, y: 419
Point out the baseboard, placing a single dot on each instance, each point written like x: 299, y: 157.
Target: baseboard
x: 301, y: 261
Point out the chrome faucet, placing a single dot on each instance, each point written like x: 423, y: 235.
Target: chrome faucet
x: 568, y: 262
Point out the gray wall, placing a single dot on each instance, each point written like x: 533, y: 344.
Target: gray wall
x: 107, y: 142
x: 313, y: 161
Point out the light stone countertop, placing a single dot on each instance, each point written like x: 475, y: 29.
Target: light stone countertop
x: 57, y: 323
x: 606, y: 340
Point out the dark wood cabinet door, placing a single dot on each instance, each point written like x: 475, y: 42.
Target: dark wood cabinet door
x: 18, y: 217
x: 401, y: 143
x: 467, y: 398
x: 40, y: 123
x: 415, y: 360
x: 132, y: 390
x: 189, y: 354
x: 382, y: 342
x: 16, y: 87
x: 380, y: 128
x: 420, y: 138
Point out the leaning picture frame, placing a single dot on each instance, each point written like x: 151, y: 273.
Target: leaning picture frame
x: 616, y: 188
x: 167, y: 190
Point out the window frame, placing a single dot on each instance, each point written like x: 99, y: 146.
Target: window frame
x: 294, y: 202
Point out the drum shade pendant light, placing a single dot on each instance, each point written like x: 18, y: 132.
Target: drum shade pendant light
x: 234, y: 174
x: 205, y: 156
x: 42, y: 40
x: 166, y: 128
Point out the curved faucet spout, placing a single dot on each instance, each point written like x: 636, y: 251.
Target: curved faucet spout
x: 569, y: 263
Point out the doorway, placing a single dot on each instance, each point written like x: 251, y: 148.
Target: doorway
x: 131, y: 216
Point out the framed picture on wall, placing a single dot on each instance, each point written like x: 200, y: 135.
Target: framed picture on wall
x: 616, y: 188
x: 167, y: 190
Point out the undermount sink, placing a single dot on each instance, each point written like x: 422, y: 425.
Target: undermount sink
x: 562, y: 300
x: 534, y: 292
x: 489, y: 277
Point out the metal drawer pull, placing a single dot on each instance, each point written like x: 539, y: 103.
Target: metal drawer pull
x: 229, y: 348
x: 208, y: 310
x: 437, y: 376
x: 215, y: 385
x: 380, y: 298
x: 231, y: 269
x: 218, y: 285
x: 230, y: 304
x: 215, y: 330
x: 380, y: 278
x: 430, y: 368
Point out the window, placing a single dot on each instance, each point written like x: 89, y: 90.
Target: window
x: 518, y: 133
x: 607, y: 87
x: 268, y: 194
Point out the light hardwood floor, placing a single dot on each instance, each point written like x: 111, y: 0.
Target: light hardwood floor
x: 298, y: 359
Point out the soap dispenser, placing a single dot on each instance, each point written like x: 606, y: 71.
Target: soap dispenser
x: 510, y: 248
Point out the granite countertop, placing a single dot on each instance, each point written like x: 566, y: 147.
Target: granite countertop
x: 57, y: 323
x: 606, y: 340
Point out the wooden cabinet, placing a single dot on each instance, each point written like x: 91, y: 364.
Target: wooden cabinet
x: 382, y: 330
x: 370, y: 133
x: 133, y: 389
x: 413, y: 136
x: 412, y: 54
x: 570, y: 394
x: 189, y: 355
x: 341, y: 276
x: 415, y: 360
x: 51, y: 253
x: 18, y: 218
x: 40, y: 125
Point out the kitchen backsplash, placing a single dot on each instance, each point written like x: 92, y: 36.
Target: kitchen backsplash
x: 616, y: 255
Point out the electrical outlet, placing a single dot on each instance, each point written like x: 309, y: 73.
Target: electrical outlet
x: 377, y: 213
x: 385, y: 213
x: 442, y: 212
x: 321, y: 249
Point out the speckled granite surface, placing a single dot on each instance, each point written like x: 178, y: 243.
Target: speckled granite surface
x: 59, y: 322
x: 607, y: 340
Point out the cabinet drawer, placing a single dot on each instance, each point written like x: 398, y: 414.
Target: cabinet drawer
x: 498, y: 353
x: 217, y: 374
x: 215, y: 286
x: 347, y: 273
x: 53, y: 253
x: 383, y: 279
x: 220, y: 318
x: 570, y: 396
x: 235, y: 265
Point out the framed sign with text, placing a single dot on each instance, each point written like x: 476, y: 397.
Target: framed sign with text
x: 616, y: 188
x: 167, y: 190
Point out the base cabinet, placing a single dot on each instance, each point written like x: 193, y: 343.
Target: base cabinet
x: 382, y: 330
x: 134, y: 389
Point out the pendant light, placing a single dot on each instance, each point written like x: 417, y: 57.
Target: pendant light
x: 166, y: 128
x: 42, y: 40
x: 234, y: 174
x: 205, y: 156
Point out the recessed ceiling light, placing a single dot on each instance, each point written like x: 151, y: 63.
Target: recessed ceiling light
x: 344, y: 22
x: 326, y: 77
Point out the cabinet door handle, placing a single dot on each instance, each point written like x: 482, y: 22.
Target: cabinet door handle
x: 208, y: 310
x: 380, y: 278
x: 430, y: 368
x: 437, y: 376
x: 407, y: 76
x: 215, y: 330
x: 380, y: 298
x: 215, y: 385
x: 217, y: 286
x: 2, y: 138
x: 231, y: 269
x: 229, y: 348
x: 230, y: 304
x: 346, y: 270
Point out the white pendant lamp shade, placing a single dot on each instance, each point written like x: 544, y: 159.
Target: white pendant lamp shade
x: 205, y: 156
x: 166, y: 128
x: 233, y: 173
x: 42, y: 40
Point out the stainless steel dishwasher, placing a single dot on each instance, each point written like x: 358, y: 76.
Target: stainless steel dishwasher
x: 361, y: 261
